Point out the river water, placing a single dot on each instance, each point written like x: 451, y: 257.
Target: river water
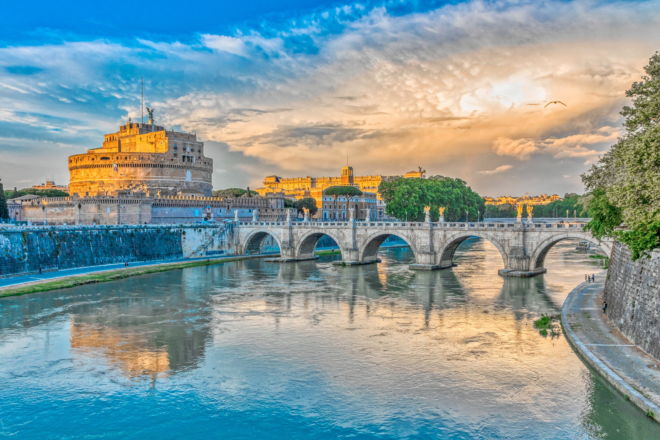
x: 258, y: 350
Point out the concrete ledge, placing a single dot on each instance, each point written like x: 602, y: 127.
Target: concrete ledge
x: 416, y: 266
x: 521, y: 273
x: 355, y: 263
x: 289, y: 260
x: 617, y: 379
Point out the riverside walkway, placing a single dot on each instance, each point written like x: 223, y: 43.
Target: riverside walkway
x: 630, y: 370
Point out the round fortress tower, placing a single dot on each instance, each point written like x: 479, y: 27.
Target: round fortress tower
x: 142, y: 158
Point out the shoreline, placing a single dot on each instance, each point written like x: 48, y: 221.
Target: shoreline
x: 101, y: 274
x: 622, y: 364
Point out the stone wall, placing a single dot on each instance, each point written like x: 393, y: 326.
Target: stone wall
x: 632, y: 293
x: 30, y: 249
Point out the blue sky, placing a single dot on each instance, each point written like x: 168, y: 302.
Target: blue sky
x: 292, y: 87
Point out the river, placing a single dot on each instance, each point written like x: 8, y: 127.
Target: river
x: 258, y: 350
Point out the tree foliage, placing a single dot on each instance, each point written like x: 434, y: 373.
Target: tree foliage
x: 308, y: 203
x: 4, y: 212
x: 406, y: 198
x: 234, y: 192
x: 573, y: 204
x: 11, y: 194
x: 626, y: 180
x: 346, y: 191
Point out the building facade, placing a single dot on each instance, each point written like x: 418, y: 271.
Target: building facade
x: 313, y: 187
x: 140, y: 210
x: 365, y: 206
x: 51, y: 185
x: 142, y: 159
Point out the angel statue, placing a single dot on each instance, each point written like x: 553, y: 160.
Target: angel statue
x: 519, y: 210
x: 150, y: 112
x: 441, y: 213
x: 427, y: 214
x: 530, y: 209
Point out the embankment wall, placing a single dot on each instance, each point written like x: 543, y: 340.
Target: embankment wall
x: 30, y: 249
x: 632, y: 293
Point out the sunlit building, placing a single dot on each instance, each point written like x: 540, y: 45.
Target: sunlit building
x: 313, y: 187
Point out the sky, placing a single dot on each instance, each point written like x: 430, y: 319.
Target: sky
x: 295, y: 87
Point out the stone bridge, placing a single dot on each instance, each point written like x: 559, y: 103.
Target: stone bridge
x: 523, y: 246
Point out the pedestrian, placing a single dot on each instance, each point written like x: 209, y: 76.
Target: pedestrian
x: 604, y: 306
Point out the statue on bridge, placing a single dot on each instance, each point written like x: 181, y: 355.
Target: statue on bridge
x: 427, y: 214
x: 519, y: 210
x: 530, y: 209
x: 255, y: 215
x: 306, y: 214
x: 441, y: 214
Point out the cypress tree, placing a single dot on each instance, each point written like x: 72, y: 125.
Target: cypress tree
x: 4, y: 212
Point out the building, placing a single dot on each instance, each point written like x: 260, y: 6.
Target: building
x: 50, y: 185
x: 542, y: 199
x: 142, y: 174
x: 313, y: 187
x: 140, y: 210
x: 142, y: 158
x: 365, y: 206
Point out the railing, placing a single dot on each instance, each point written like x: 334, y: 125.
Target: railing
x: 417, y: 225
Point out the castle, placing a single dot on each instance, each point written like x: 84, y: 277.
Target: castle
x: 142, y: 159
x: 142, y: 173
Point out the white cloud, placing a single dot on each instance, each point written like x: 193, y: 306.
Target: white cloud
x: 496, y: 170
x: 224, y: 43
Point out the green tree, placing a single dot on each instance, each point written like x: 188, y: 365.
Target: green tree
x: 406, y: 198
x: 4, y: 212
x: 308, y: 203
x: 626, y: 180
x: 234, y: 192
x: 11, y: 194
x: 343, y: 191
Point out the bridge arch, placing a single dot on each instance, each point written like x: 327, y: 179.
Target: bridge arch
x: 537, y: 259
x: 307, y: 244
x: 369, y: 248
x: 252, y: 243
x: 447, y: 250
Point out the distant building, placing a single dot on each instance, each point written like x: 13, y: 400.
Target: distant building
x: 542, y: 199
x: 50, y: 184
x: 313, y: 187
x: 364, y: 207
x: 140, y: 210
x: 142, y: 158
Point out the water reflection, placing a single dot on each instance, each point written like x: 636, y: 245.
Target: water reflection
x: 321, y: 351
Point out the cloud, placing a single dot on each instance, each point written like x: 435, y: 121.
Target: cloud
x: 224, y: 43
x: 520, y: 148
x: 452, y: 88
x: 496, y: 170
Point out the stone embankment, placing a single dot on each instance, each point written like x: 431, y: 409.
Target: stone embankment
x: 621, y: 341
x: 45, y: 248
x: 632, y: 293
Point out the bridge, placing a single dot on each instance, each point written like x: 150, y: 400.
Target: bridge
x: 522, y: 245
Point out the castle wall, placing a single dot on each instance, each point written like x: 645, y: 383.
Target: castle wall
x: 632, y: 293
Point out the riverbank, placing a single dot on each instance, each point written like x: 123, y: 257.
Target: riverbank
x: 23, y: 285
x: 630, y: 370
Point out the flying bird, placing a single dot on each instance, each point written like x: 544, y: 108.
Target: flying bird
x: 554, y: 102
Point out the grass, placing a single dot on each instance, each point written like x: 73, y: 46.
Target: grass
x: 328, y: 252
x: 603, y: 258
x: 650, y: 414
x: 79, y: 280
x: 548, y: 325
